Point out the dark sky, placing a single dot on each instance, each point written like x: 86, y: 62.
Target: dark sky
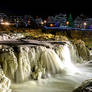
x: 45, y: 8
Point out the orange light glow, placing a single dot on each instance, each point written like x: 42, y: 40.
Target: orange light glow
x: 5, y: 23
x: 67, y: 22
x: 51, y: 25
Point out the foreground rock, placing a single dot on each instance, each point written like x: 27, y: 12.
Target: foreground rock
x: 85, y: 87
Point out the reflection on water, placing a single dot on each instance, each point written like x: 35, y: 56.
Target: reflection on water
x: 58, y: 83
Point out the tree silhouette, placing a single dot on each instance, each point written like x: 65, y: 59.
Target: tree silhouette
x: 70, y: 20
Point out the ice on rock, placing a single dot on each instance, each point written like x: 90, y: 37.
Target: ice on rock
x: 5, y: 83
x: 24, y: 68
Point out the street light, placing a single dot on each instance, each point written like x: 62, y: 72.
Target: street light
x: 42, y: 22
x: 85, y: 23
x: 45, y: 21
x: 51, y: 25
x: 67, y: 23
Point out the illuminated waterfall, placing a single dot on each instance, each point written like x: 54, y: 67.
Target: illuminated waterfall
x: 67, y: 60
x: 51, y: 61
x: 24, y: 68
x: 37, y: 62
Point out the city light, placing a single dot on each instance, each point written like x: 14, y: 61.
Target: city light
x: 42, y: 23
x: 1, y: 20
x: 45, y: 21
x: 5, y: 23
x: 51, y: 25
x: 85, y: 23
x: 67, y: 22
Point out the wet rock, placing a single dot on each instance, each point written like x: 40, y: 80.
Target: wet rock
x: 86, y: 86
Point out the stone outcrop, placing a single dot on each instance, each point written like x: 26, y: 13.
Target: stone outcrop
x: 86, y: 86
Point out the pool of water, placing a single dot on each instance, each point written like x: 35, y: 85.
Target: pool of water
x: 57, y: 83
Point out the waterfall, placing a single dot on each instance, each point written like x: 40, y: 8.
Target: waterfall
x: 68, y: 57
x: 51, y: 61
x: 24, y: 68
x: 67, y: 60
x: 37, y: 62
x: 8, y: 61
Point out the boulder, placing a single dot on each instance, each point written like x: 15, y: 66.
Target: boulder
x: 86, y: 86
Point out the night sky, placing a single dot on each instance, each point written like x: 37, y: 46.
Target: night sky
x: 45, y: 8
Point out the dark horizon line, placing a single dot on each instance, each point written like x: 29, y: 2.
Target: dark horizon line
x: 42, y: 13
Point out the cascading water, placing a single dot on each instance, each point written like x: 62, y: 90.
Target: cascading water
x: 24, y: 68
x: 52, y: 61
x: 39, y: 62
x: 67, y: 60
